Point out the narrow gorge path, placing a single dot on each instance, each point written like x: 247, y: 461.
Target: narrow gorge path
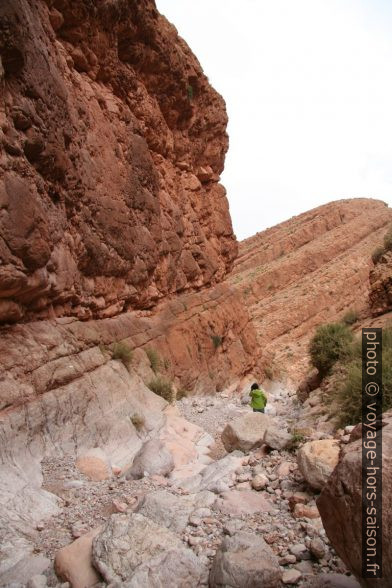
x: 260, y: 493
x: 295, y: 533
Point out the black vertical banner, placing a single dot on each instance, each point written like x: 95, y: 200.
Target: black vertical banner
x: 371, y: 453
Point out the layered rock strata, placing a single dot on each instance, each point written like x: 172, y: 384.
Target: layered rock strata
x: 112, y: 142
x: 306, y: 271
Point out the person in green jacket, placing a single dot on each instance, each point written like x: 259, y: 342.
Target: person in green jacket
x: 259, y: 399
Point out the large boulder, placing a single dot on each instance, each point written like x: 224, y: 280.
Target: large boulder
x: 153, y: 458
x: 278, y: 438
x: 133, y: 544
x: 215, y: 477
x: 177, y: 568
x: 245, y: 561
x: 73, y: 562
x: 167, y: 510
x: 317, y: 460
x: 340, y: 506
x: 246, y: 432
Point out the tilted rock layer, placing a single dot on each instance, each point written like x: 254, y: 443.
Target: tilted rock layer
x: 307, y: 271
x: 112, y: 142
x: 113, y: 228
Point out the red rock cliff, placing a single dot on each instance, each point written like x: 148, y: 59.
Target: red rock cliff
x: 112, y: 142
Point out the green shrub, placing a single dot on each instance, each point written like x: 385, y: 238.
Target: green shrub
x: 345, y: 396
x: 182, y: 393
x: 297, y: 439
x: 331, y: 343
x: 163, y: 388
x: 216, y: 341
x: 377, y: 254
x: 155, y: 359
x: 138, y: 421
x: 350, y: 317
x: 123, y: 352
x: 388, y: 240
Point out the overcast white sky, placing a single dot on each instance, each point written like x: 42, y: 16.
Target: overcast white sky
x: 308, y: 88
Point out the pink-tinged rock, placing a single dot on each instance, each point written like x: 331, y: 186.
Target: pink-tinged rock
x: 73, y: 562
x: 118, y: 506
x: 159, y: 480
x: 283, y: 469
x: 95, y: 465
x: 298, y: 498
x: 304, y: 511
x: 237, y: 502
x: 317, y: 460
x: 291, y: 576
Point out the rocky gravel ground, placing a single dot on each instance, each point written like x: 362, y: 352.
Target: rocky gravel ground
x: 299, y: 542
x: 285, y: 516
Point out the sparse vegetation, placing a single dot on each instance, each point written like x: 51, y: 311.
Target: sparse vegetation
x: 269, y: 372
x: 379, y: 251
x: 138, y: 421
x: 297, y: 439
x: 332, y: 342
x: 182, y: 393
x: 216, y: 341
x: 350, y: 317
x: 123, y: 352
x: 155, y: 359
x: 163, y: 388
x: 345, y: 392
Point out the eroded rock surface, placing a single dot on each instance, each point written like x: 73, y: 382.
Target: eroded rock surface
x: 246, y: 432
x: 112, y: 146
x: 132, y: 547
x: 317, y: 460
x: 309, y: 270
x: 340, y: 506
x: 245, y: 560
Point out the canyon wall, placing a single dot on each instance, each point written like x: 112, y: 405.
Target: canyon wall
x: 112, y: 142
x: 113, y: 228
x: 309, y: 270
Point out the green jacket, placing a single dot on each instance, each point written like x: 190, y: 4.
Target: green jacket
x: 259, y: 399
